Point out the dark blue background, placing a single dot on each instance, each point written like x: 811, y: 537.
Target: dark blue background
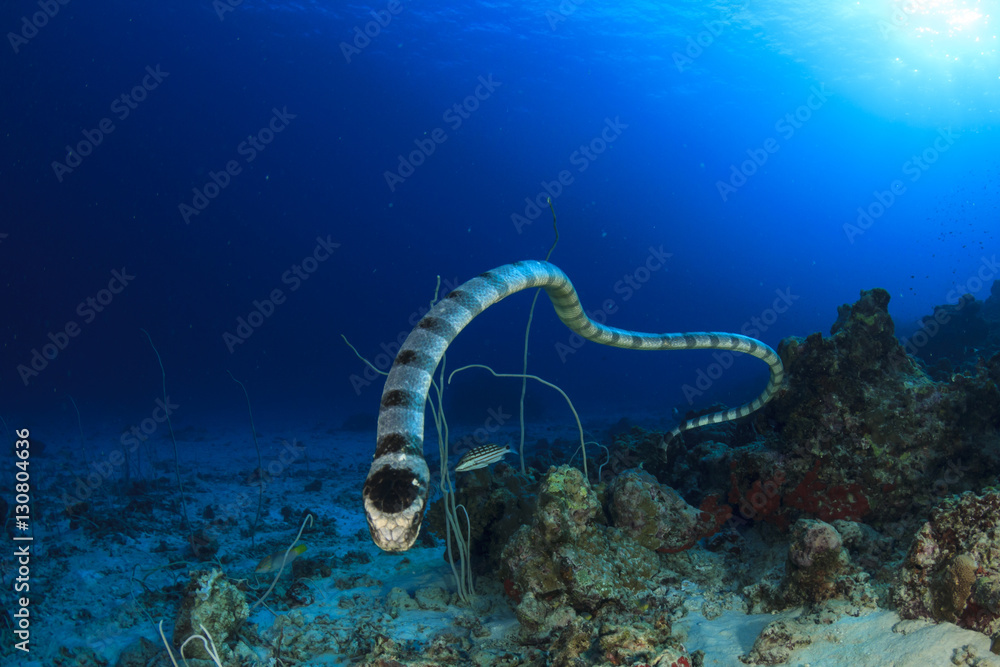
x: 656, y: 185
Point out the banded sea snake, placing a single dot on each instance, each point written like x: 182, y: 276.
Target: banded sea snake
x: 395, y: 492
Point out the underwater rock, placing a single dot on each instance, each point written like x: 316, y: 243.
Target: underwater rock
x: 584, y: 589
x: 498, y: 501
x: 861, y: 432
x: 637, y: 448
x: 780, y: 638
x: 567, y: 563
x: 212, y: 602
x: 398, y: 600
x: 813, y: 542
x: 654, y: 515
x: 567, y: 507
x: 298, y: 594
x: 838, y: 386
x: 953, y: 586
x: 775, y: 644
x: 817, y: 573
x: 991, y: 307
x: 80, y: 656
x: 139, y: 653
x: 704, y: 467
x: 623, y: 645
x: 432, y: 598
x: 571, y: 643
x: 952, y: 568
x: 951, y: 337
x: 816, y: 561
x: 295, y: 638
x: 619, y: 639
x: 204, y: 544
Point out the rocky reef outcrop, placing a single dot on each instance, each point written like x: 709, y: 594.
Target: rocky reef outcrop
x: 860, y: 432
x: 498, y: 501
x: 952, y: 568
x: 585, y: 587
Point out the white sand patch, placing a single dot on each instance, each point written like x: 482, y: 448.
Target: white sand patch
x: 876, y: 639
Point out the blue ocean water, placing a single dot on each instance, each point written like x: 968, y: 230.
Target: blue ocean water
x: 848, y: 100
x: 248, y: 181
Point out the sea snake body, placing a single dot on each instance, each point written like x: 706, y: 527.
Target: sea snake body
x: 395, y: 492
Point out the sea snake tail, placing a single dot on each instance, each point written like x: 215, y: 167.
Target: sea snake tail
x: 395, y: 492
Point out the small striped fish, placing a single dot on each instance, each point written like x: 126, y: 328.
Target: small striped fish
x: 482, y: 456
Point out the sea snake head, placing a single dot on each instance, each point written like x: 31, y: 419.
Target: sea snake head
x: 395, y: 496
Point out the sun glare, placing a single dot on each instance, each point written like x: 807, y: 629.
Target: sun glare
x: 945, y: 32
x: 951, y: 19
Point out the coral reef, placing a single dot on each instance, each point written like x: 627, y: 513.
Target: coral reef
x: 213, y: 603
x: 775, y: 644
x: 819, y: 568
x: 498, y: 502
x: 583, y: 585
x: 952, y: 569
x: 991, y: 307
x: 804, y: 511
x: 563, y: 563
x: 951, y: 336
x: 858, y: 417
x: 805, y: 506
x: 656, y: 516
x: 861, y: 431
x: 956, y: 336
